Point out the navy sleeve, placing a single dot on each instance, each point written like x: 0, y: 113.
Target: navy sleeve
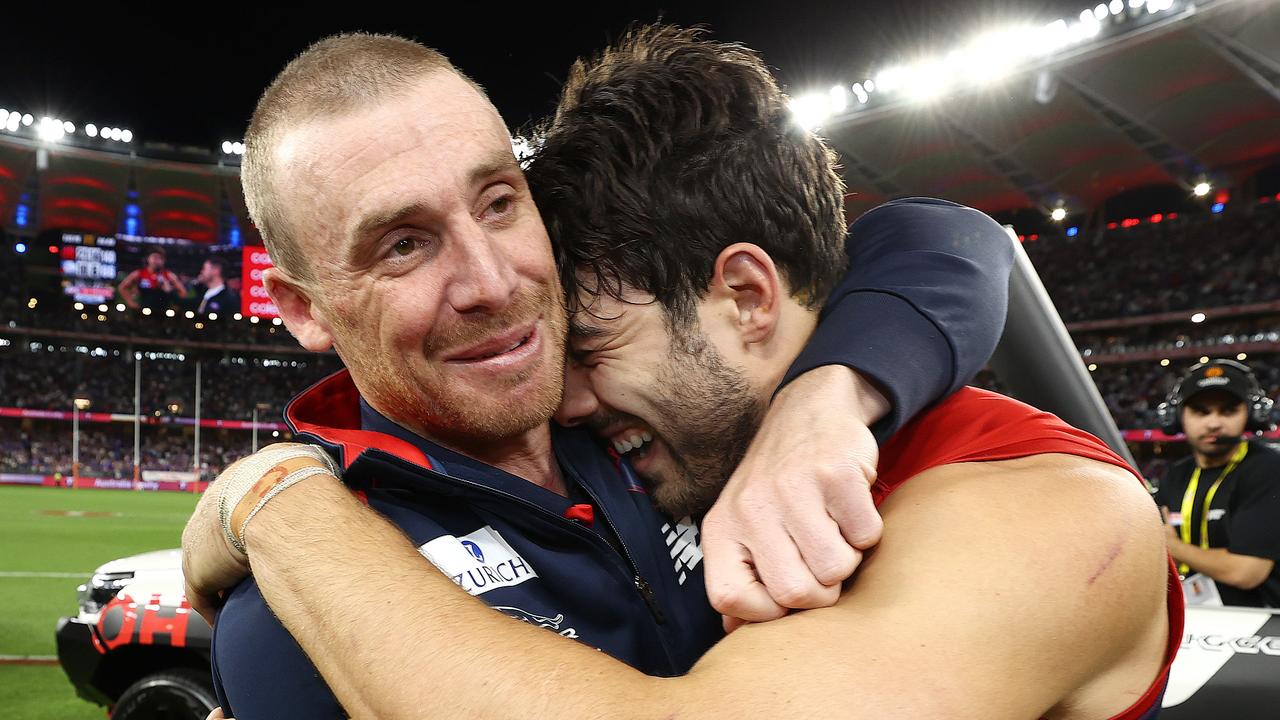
x: 260, y: 671
x: 922, y: 306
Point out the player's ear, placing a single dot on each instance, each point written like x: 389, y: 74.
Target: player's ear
x: 300, y: 314
x: 746, y: 283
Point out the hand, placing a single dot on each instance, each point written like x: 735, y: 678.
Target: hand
x: 792, y: 522
x: 217, y: 715
x: 210, y: 564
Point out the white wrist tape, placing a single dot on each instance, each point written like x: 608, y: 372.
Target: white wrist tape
x: 237, y: 481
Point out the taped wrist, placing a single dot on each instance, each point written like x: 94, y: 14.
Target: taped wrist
x: 252, y: 482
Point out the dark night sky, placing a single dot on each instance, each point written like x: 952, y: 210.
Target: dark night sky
x: 195, y: 81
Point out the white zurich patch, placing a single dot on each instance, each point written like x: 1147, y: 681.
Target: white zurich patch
x: 479, y: 562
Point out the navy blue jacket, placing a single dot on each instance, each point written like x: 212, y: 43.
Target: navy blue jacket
x: 933, y: 275
x: 628, y: 582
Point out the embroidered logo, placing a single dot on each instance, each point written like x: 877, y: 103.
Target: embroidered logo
x: 683, y: 542
x: 542, y: 621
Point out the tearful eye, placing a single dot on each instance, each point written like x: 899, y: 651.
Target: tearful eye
x: 404, y: 246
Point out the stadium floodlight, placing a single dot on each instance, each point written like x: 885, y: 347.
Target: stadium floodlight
x: 1197, y: 317
x: 226, y: 147
x: 169, y: 313
x: 839, y: 99
x: 1201, y: 189
x: 190, y: 314
x: 237, y: 147
x: 79, y: 306
x: 860, y: 93
x: 1204, y: 359
x: 115, y: 134
x: 1164, y: 362
x: 254, y: 319
x: 1100, y: 12
x: 69, y: 127
x: 119, y: 307
x: 810, y: 111
x: 1093, y: 366
x: 91, y: 130
x: 27, y: 119
x: 1058, y: 214
x: 929, y: 80
x: 276, y: 321
x: 126, y: 136
x: 146, y: 311
x: 213, y: 316
x: 1116, y: 7
x: 1052, y: 37
x: 82, y: 403
x: 50, y: 130
x: 1242, y: 356
x: 102, y: 308
x: 869, y: 85
x: 238, y: 316
x: 890, y: 79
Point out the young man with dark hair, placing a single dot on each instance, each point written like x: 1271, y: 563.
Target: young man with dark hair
x: 1223, y: 502
x: 151, y: 286
x: 964, y: 609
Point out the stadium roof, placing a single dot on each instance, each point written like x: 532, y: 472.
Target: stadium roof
x: 1195, y: 97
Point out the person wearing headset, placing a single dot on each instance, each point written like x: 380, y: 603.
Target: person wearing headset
x: 1222, y: 504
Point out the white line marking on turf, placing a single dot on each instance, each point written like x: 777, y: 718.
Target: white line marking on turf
x: 43, y: 575
x: 28, y: 659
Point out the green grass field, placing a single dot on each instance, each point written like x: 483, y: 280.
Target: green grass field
x: 48, y: 532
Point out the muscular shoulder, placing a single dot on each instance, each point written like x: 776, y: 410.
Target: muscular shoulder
x: 983, y: 566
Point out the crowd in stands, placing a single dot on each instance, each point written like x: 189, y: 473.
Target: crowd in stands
x: 1192, y: 261
x: 231, y: 384
x: 1230, y: 331
x: 44, y: 448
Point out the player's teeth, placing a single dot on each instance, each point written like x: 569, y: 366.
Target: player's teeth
x: 648, y: 436
x: 636, y: 442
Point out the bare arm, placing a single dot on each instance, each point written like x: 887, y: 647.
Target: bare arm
x: 175, y: 285
x: 129, y: 290
x: 981, y: 568
x: 1242, y: 571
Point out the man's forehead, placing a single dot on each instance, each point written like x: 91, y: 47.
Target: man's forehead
x: 599, y: 309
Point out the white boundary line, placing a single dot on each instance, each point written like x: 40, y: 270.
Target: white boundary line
x: 4, y: 574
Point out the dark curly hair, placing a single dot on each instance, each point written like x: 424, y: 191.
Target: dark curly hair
x: 668, y: 148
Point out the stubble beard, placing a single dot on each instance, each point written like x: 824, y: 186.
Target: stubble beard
x: 713, y: 415
x: 434, y: 409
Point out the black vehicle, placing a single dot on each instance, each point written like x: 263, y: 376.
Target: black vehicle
x: 136, y: 645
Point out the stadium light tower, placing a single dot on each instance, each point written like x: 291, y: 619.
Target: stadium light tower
x: 256, y: 408
x: 1201, y: 189
x: 1058, y: 214
x: 77, y: 405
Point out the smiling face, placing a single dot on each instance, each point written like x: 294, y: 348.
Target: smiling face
x: 680, y: 410
x: 432, y: 274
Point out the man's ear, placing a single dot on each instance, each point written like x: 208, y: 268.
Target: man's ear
x: 746, y: 276
x: 297, y: 311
